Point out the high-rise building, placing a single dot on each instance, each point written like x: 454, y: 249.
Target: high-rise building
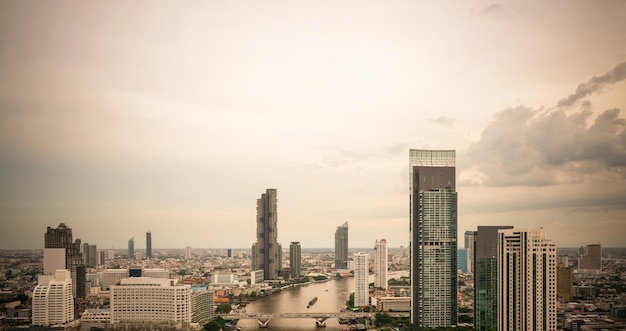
x: 433, y: 226
x: 131, y: 248
x: 188, y: 252
x: 295, y: 259
x: 267, y: 252
x: 380, y: 263
x: 61, y: 237
x: 361, y: 284
x: 469, y: 245
x: 486, y: 277
x: 526, y: 280
x: 564, y: 283
x: 92, y: 256
x: 150, y: 299
x: 341, y: 246
x: 202, y: 304
x: 590, y: 259
x: 149, y: 245
x: 462, y: 259
x: 229, y: 252
x: 52, y: 299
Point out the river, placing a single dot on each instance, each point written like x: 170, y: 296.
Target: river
x: 332, y: 296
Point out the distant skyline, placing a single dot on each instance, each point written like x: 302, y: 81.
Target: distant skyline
x: 118, y: 118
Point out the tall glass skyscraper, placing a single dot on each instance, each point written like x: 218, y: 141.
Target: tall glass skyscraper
x: 131, y: 248
x: 149, y: 244
x: 433, y: 226
x: 267, y: 252
x: 295, y: 259
x: 341, y: 246
x: 469, y: 245
x: 486, y: 277
x: 61, y: 237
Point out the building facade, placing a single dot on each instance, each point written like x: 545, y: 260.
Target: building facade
x: 149, y: 245
x: 140, y: 299
x: 486, y: 277
x: 469, y: 245
x: 267, y: 252
x: 203, y: 304
x: 131, y: 248
x: 341, y: 246
x: 52, y: 299
x: 380, y: 263
x: 526, y: 263
x: 361, y: 284
x: 61, y: 237
x: 590, y: 259
x: 295, y: 259
x: 462, y: 259
x: 433, y: 226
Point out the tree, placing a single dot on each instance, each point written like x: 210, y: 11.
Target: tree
x: 223, y: 308
x: 350, y: 302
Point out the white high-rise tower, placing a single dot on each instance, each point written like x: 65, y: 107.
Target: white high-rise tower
x: 52, y: 299
x: 526, y: 280
x: 361, y: 285
x: 380, y: 264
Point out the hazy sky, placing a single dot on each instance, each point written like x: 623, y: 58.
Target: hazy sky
x: 121, y: 117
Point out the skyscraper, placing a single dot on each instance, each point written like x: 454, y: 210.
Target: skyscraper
x: 469, y: 245
x: 380, y: 263
x: 486, y: 277
x: 52, y: 299
x: 590, y: 259
x: 61, y: 237
x: 188, y: 252
x: 433, y: 226
x: 361, y: 285
x: 267, y: 252
x: 526, y: 280
x: 295, y: 259
x: 341, y: 247
x: 149, y: 245
x: 131, y: 248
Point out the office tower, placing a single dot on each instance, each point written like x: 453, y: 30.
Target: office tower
x: 61, y: 237
x: 229, y: 252
x: 267, y: 252
x: 380, y: 263
x: 92, y: 256
x: 84, y: 249
x: 469, y: 245
x: 101, y: 256
x: 361, y: 284
x: 148, y: 245
x: 462, y: 259
x: 188, y: 252
x: 131, y: 248
x: 486, y: 277
x: 295, y: 259
x: 590, y: 259
x: 564, y: 283
x: 433, y: 226
x: 526, y: 280
x: 202, y: 304
x: 150, y: 299
x: 341, y: 246
x: 52, y: 299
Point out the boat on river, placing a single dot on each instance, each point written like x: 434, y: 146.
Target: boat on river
x: 312, y: 302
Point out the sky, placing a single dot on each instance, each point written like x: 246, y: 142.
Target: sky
x: 122, y: 117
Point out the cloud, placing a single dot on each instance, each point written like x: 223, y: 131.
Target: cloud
x: 493, y: 8
x: 443, y: 120
x: 617, y: 74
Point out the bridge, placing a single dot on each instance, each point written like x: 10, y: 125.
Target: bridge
x: 320, y: 318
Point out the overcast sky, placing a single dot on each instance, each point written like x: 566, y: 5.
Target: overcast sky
x: 121, y: 117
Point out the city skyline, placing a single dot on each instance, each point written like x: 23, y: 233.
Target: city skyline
x: 119, y: 118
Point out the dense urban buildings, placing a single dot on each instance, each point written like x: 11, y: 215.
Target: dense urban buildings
x: 380, y: 263
x: 486, y: 277
x: 526, y: 280
x: 150, y: 299
x: 433, y: 226
x: 341, y: 246
x: 361, y: 284
x: 52, y: 299
x: 267, y: 252
x: 149, y: 245
x: 61, y: 237
x: 295, y: 259
x: 131, y: 248
x: 469, y: 245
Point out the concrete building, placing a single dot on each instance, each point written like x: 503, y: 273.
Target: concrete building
x: 380, y: 263
x: 202, y: 304
x: 61, y: 237
x: 470, y: 237
x: 131, y: 248
x: 341, y: 246
x: 590, y: 259
x: 526, y: 263
x: 112, y: 277
x: 150, y: 299
x: 188, y: 252
x: 295, y: 259
x: 94, y: 318
x: 267, y: 252
x: 486, y: 277
x: 361, y: 284
x: 52, y: 299
x: 433, y: 217
x: 149, y: 245
x: 565, y: 283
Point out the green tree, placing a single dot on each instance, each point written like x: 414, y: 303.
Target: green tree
x: 350, y: 302
x: 223, y: 308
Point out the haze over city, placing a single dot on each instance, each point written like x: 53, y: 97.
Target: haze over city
x: 118, y: 118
